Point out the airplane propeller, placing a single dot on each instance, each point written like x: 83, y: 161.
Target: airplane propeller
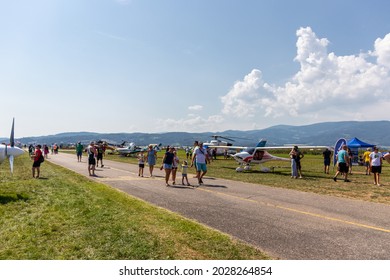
x: 12, y: 137
x: 10, y: 151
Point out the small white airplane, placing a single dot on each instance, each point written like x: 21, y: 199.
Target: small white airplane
x: 133, y: 149
x: 230, y: 147
x: 10, y: 151
x: 259, y: 155
x: 129, y: 150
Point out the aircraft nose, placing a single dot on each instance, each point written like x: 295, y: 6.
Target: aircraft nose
x: 14, y: 151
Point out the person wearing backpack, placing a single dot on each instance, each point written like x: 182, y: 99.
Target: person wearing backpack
x: 38, y: 159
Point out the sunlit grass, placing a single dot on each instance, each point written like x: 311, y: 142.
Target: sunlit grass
x: 64, y: 215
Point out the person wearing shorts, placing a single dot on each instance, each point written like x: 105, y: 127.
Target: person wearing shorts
x: 141, y: 164
x: 366, y: 159
x: 201, y: 157
x: 92, y: 152
x: 99, y: 157
x: 37, y: 157
x: 79, y: 151
x: 167, y: 163
x: 343, y: 162
x: 376, y: 160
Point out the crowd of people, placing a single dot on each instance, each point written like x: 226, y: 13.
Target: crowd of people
x: 199, y: 157
x: 170, y: 163
x: 372, y: 160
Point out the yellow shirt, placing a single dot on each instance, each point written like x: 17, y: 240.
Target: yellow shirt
x: 366, y: 156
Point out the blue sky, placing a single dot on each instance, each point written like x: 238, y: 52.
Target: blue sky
x: 174, y: 65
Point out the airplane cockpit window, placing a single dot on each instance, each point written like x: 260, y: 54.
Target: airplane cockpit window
x: 258, y: 155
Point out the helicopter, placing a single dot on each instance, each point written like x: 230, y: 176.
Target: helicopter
x: 216, y: 142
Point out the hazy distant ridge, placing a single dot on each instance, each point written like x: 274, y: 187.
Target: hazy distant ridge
x: 375, y: 132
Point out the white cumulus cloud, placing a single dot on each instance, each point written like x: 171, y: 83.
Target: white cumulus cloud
x: 246, y: 96
x: 325, y: 83
x: 382, y: 50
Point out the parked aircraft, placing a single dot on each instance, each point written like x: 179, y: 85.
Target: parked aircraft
x: 259, y: 155
x: 133, y: 149
x: 129, y: 150
x: 261, y: 143
x: 10, y: 151
x: 222, y: 145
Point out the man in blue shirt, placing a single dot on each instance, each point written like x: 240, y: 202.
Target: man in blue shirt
x: 343, y: 164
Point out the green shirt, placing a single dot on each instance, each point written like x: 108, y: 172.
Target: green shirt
x: 79, y: 148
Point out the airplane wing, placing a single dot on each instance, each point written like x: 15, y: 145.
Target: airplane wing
x: 261, y: 143
x: 386, y: 156
x: 226, y: 147
x: 289, y: 147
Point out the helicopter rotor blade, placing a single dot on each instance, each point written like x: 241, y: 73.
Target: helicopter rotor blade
x: 222, y: 137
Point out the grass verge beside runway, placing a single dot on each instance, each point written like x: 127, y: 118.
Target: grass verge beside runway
x: 66, y: 216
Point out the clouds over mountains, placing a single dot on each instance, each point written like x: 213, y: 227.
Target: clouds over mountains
x: 325, y: 84
x: 327, y: 87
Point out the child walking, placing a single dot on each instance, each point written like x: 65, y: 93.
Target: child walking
x: 141, y: 164
x: 184, y: 170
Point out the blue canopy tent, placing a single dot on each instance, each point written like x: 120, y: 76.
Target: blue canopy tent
x: 355, y: 144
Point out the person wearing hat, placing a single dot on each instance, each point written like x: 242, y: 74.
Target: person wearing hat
x: 366, y: 159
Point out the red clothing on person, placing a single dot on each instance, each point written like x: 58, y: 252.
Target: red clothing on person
x: 38, y: 154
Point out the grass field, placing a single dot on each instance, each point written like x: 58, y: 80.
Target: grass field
x: 67, y: 216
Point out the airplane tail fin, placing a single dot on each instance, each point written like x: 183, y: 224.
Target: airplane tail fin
x: 261, y: 143
x: 158, y: 147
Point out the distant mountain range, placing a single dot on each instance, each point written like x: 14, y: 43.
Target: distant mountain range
x: 326, y: 133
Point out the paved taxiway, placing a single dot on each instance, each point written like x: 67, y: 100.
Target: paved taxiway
x: 284, y: 223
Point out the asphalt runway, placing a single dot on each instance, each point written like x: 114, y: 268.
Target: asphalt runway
x: 286, y: 224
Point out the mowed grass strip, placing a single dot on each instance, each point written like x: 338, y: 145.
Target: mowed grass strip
x: 66, y: 216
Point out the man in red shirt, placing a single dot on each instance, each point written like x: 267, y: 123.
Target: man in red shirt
x: 37, y: 157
